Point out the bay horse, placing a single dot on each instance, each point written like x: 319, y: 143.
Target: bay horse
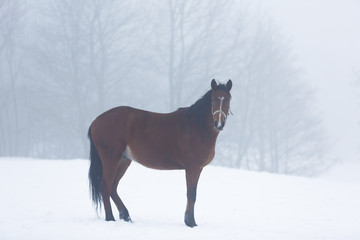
x: 184, y: 139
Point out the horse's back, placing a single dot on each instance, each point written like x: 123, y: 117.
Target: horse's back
x: 126, y: 125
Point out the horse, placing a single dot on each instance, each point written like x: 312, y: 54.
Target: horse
x: 183, y: 139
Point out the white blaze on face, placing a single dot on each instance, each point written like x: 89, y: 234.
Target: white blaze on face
x: 220, y: 111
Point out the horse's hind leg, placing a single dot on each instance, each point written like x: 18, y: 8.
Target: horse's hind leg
x: 123, y: 166
x: 109, y: 174
x: 106, y: 191
x: 106, y: 200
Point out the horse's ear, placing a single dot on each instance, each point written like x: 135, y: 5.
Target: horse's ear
x: 229, y: 85
x: 213, y: 84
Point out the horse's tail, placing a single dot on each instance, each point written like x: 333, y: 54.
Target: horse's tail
x: 95, y: 173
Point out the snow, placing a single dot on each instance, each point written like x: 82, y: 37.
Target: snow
x: 42, y: 199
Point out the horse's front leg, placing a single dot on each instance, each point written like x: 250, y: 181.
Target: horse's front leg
x: 192, y: 178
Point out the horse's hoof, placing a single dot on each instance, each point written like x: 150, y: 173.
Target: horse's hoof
x: 190, y: 223
x: 126, y: 217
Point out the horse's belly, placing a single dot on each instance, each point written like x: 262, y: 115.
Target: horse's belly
x: 154, y: 158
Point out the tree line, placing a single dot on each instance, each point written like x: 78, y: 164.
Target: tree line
x: 64, y: 62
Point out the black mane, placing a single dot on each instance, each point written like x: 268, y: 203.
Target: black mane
x: 200, y: 110
x: 201, y: 107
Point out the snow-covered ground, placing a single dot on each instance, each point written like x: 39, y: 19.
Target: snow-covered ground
x: 42, y: 199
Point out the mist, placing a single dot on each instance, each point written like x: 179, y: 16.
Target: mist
x: 326, y: 45
x: 62, y: 63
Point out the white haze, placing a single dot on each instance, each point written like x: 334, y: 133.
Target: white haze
x: 325, y: 36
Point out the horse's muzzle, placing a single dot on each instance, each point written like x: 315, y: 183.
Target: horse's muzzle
x: 219, y: 127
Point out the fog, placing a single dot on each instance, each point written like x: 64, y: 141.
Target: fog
x: 325, y: 37
x: 294, y: 67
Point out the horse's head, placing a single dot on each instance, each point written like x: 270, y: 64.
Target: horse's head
x: 220, y: 103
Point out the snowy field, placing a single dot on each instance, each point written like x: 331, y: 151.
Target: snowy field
x: 43, y: 199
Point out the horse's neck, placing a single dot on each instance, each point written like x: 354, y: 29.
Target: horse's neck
x: 211, y: 133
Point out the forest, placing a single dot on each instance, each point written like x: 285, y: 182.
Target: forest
x: 64, y: 62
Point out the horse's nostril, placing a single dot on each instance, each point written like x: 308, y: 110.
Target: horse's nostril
x: 218, y: 126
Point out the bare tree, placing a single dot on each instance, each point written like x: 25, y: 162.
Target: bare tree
x: 186, y: 43
x: 11, y: 15
x: 112, y: 45
x: 83, y: 51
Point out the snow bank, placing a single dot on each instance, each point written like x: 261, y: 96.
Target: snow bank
x: 42, y: 199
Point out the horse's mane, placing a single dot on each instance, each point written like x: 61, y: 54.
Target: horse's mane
x: 201, y: 108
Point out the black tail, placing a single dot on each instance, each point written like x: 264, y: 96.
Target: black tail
x: 95, y: 174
